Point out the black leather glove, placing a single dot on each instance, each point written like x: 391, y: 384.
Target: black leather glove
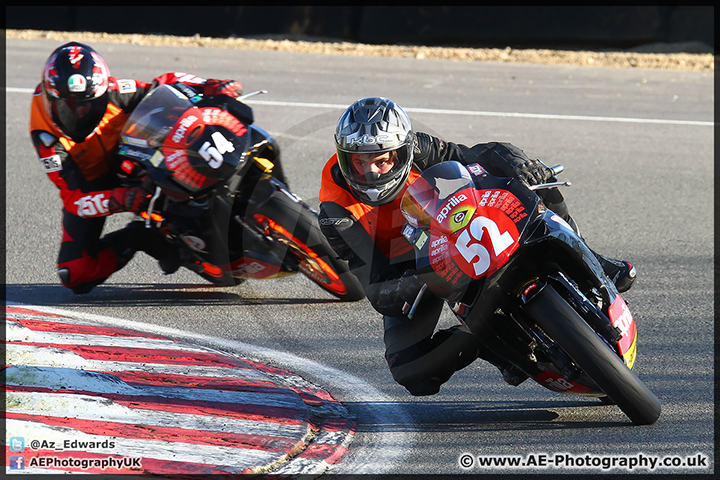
x: 393, y: 295
x: 532, y: 172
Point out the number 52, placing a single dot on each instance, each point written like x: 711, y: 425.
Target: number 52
x: 499, y: 242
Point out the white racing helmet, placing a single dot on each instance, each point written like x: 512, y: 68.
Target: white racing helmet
x: 375, y: 125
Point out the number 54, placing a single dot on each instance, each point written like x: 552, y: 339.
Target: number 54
x: 213, y: 154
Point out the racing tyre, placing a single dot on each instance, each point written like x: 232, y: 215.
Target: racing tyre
x: 295, y: 226
x: 593, y: 355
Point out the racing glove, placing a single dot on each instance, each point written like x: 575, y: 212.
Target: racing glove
x: 532, y: 172
x: 392, y: 296
x: 230, y: 88
x: 128, y: 199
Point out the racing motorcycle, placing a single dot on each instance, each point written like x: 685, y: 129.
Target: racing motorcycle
x: 523, y: 281
x: 219, y: 192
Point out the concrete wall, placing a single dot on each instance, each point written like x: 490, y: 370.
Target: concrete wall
x: 555, y: 26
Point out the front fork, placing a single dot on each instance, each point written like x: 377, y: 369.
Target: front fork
x: 589, y: 310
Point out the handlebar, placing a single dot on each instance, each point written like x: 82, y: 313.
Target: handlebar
x: 557, y: 170
x: 251, y: 94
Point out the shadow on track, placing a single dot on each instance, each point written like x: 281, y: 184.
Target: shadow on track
x: 149, y: 295
x: 453, y: 416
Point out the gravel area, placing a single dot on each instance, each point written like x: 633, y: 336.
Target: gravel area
x: 689, y: 56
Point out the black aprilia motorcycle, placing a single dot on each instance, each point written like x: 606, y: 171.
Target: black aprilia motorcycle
x: 523, y: 281
x: 220, y: 196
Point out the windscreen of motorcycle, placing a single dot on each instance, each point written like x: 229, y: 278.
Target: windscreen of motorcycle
x: 205, y: 146
x: 432, y: 190
x: 200, y: 145
x: 473, y: 232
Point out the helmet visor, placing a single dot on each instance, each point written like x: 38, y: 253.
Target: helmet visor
x: 76, y: 117
x: 374, y: 169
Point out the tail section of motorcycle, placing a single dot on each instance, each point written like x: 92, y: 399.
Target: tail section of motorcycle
x: 288, y: 228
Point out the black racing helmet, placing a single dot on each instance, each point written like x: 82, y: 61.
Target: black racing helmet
x: 369, y: 126
x: 75, y: 89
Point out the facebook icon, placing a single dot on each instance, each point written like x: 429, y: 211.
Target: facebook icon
x: 17, y: 462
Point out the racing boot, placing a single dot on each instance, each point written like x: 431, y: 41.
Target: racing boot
x: 621, y: 273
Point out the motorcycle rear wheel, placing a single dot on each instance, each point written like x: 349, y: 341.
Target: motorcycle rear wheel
x: 595, y: 357
x: 295, y: 227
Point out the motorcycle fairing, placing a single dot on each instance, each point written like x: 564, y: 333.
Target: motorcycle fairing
x: 256, y: 265
x: 557, y: 383
x: 622, y: 319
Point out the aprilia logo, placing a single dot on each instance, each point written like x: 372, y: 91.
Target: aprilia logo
x: 449, y: 206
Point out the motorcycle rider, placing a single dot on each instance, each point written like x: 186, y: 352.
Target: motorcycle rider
x: 377, y: 156
x: 77, y: 113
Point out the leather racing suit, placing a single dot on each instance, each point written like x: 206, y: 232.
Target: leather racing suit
x: 369, y: 239
x: 85, y: 174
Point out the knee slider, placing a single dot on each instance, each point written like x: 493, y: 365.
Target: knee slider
x: 64, y: 274
x: 79, y: 289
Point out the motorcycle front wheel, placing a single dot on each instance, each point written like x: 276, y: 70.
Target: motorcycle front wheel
x: 592, y: 355
x: 294, y: 227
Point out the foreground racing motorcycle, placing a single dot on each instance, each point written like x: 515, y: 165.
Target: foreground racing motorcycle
x: 219, y: 193
x: 525, y: 284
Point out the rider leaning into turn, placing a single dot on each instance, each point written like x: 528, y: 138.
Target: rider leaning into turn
x: 378, y: 155
x: 77, y: 113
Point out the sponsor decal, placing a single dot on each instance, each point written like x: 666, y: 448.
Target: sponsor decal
x: 127, y: 86
x: 476, y: 169
x: 442, y: 262
x: 248, y: 269
x: 558, y: 219
x: 134, y: 141
x: 51, y: 163
x: 180, y: 131
x: 369, y: 140
x: 222, y: 118
x: 194, y: 243
x: 127, y: 166
x: 421, y: 240
x: 77, y: 83
x: 334, y: 221
x: 183, y: 77
x: 504, y: 201
x: 556, y: 382
x: 622, y: 319
x: 460, y: 217
x: 156, y: 158
x: 133, y: 153
x: 92, y: 205
x: 447, y: 208
x: 177, y: 161
x: 407, y: 230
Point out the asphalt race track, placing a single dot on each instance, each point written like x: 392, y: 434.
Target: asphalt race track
x: 637, y: 146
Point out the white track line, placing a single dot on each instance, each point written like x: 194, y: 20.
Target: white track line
x: 472, y: 113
